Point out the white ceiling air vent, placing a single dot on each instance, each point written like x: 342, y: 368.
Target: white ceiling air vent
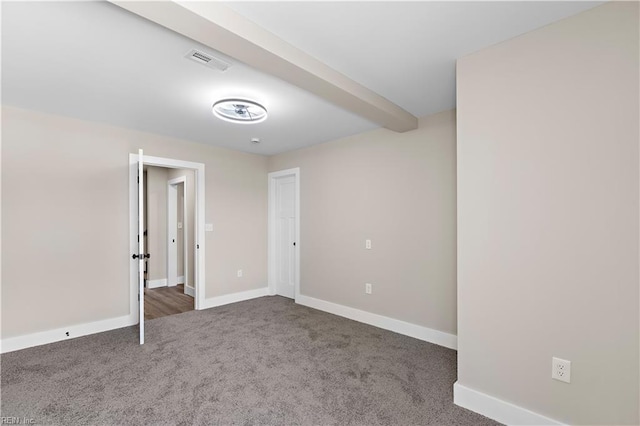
x: 207, y: 60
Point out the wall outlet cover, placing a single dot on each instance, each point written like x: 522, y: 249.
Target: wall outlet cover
x: 561, y: 369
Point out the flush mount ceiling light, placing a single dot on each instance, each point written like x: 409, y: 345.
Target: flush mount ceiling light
x: 239, y: 111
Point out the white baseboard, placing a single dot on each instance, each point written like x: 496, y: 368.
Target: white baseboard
x: 412, y: 330
x: 234, y: 297
x: 497, y: 409
x: 189, y: 291
x: 175, y: 281
x: 157, y: 283
x: 42, y: 338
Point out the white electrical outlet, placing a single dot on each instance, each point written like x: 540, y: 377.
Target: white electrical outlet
x: 239, y: 273
x: 367, y: 244
x: 367, y: 288
x: 561, y: 369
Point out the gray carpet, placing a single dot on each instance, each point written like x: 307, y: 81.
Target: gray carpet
x: 265, y: 361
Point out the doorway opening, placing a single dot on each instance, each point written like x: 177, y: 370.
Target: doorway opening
x: 169, y: 228
x: 167, y: 236
x: 284, y: 233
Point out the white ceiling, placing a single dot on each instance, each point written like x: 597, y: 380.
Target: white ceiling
x: 404, y: 51
x: 97, y: 62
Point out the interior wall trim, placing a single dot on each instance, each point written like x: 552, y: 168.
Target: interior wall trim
x: 162, y: 282
x: 65, y: 333
x: 42, y: 338
x: 234, y: 297
x: 497, y: 409
x: 401, y: 327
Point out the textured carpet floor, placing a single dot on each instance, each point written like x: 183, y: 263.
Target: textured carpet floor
x: 265, y: 361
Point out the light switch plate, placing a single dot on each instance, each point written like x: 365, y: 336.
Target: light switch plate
x: 208, y: 227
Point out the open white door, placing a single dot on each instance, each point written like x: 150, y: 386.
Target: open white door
x: 177, y: 235
x: 141, y: 256
x: 137, y: 225
x: 172, y: 234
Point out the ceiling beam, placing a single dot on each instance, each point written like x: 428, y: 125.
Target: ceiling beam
x: 221, y: 28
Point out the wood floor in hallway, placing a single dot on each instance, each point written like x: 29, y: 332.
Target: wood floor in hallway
x: 163, y: 301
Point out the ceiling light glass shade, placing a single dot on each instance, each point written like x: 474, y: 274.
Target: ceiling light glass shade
x: 239, y: 111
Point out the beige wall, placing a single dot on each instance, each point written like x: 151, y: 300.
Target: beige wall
x: 397, y: 189
x: 548, y: 217
x: 156, y: 225
x: 65, y: 215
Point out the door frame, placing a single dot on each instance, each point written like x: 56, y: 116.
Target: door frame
x: 271, y: 250
x: 172, y: 203
x: 198, y: 244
